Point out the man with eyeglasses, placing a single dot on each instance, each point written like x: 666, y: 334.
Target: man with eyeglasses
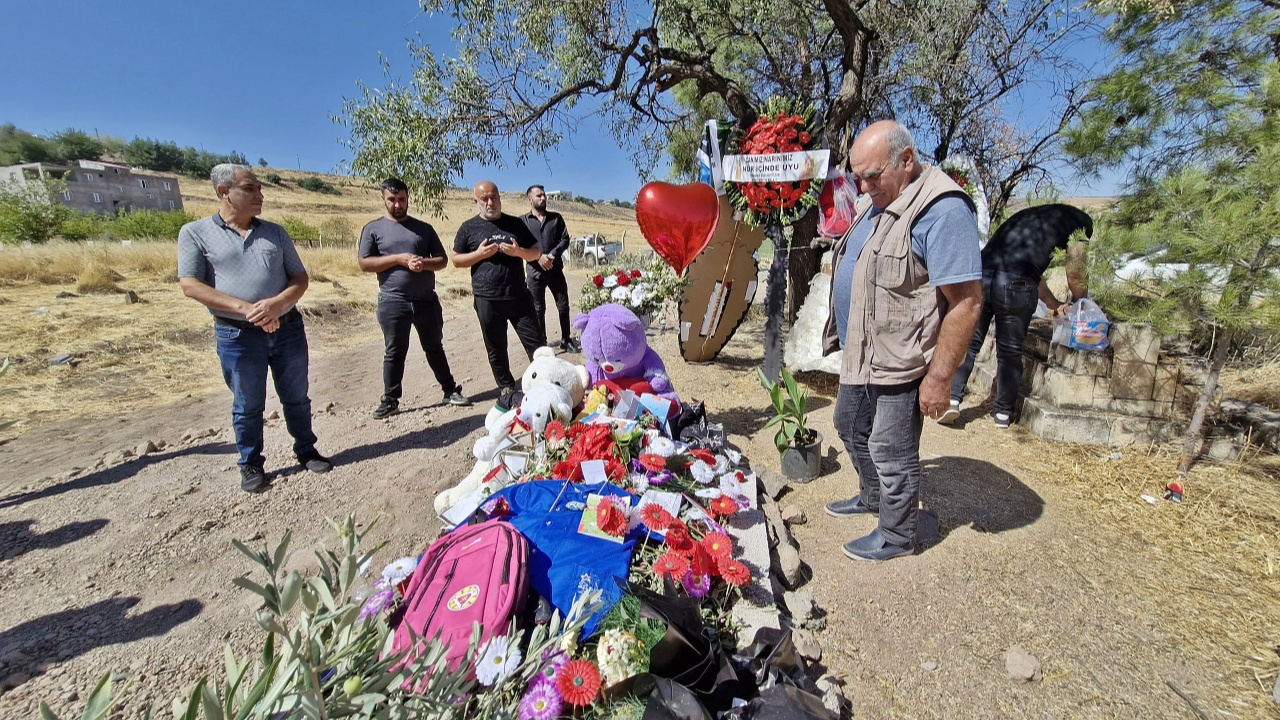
x: 906, y: 291
x: 496, y: 246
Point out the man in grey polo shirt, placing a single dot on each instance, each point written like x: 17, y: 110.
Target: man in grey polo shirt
x: 248, y: 273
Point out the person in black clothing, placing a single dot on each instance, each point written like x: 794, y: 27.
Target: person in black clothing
x: 1013, y: 265
x: 547, y: 272
x: 495, y: 246
x: 406, y: 254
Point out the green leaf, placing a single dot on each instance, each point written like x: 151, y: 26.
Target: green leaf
x: 46, y: 713
x: 281, y: 549
x: 212, y: 707
x: 252, y: 587
x: 99, y: 702
x: 292, y: 587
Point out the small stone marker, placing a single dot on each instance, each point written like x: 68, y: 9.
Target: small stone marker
x: 63, y: 359
x: 1021, y: 665
x: 131, y: 297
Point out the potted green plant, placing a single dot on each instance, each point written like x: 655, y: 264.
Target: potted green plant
x: 799, y: 446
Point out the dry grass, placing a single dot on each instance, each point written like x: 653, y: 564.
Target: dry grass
x: 98, y: 278
x: 1260, y: 385
x: 1216, y: 593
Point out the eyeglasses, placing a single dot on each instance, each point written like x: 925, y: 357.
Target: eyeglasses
x: 870, y: 176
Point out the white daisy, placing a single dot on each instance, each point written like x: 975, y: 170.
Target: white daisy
x: 400, y: 570
x: 638, y: 294
x: 662, y: 446
x: 498, y: 659
x: 610, y: 281
x: 620, y: 294
x: 702, y: 472
x: 708, y: 493
x: 722, y: 464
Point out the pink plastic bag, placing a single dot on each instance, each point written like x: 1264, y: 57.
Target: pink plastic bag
x: 837, y: 205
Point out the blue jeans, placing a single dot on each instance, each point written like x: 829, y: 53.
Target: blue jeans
x: 1010, y: 300
x: 880, y: 426
x: 246, y: 355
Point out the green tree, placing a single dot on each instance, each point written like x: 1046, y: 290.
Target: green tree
x: 82, y: 226
x: 1197, y: 85
x: 262, y: 162
x: 72, y: 144
x: 153, y: 155
x: 20, y: 146
x: 30, y: 209
x: 151, y: 224
x: 299, y: 229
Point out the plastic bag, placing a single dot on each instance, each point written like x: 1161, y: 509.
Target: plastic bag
x: 1084, y: 327
x: 837, y: 205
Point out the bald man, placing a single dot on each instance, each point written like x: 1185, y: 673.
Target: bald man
x: 496, y: 246
x: 906, y: 291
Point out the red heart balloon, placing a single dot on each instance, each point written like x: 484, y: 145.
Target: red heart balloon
x: 677, y: 220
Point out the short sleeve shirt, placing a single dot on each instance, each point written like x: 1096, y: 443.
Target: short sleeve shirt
x: 944, y: 237
x: 388, y: 237
x: 1024, y: 244
x: 252, y: 268
x: 500, y: 276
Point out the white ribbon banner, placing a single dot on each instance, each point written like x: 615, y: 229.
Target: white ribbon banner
x: 776, y: 167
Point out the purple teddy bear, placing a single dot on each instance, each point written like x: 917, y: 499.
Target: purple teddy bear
x: 614, y: 344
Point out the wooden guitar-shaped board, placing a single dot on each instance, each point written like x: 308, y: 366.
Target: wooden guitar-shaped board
x: 722, y: 284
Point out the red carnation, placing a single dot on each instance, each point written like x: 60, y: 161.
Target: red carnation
x: 611, y: 519
x: 598, y: 281
x: 578, y: 682
x: 655, y: 517
x: 670, y: 563
x: 635, y: 273
x: 805, y: 137
x: 724, y: 506
x: 718, y: 545
x: 623, y: 278
x: 734, y: 572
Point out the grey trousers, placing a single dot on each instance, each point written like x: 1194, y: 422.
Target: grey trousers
x: 880, y: 426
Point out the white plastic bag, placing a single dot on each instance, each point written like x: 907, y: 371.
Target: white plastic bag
x: 1084, y: 327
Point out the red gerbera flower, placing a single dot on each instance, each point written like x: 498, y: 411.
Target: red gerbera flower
x: 734, y: 572
x: 701, y: 562
x: 578, y: 682
x: 655, y: 517
x: 653, y: 462
x: 723, y: 506
x: 718, y: 545
x: 598, y: 281
x: 704, y: 455
x: 554, y: 431
x: 678, y: 539
x: 611, y: 519
x: 670, y: 563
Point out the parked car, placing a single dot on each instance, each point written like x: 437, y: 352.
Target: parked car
x: 593, y: 250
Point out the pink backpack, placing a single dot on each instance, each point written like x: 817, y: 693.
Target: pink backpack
x: 477, y: 574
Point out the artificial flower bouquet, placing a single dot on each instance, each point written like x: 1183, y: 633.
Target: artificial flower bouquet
x: 643, y: 283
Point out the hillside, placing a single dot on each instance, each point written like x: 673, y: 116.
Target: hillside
x: 360, y: 203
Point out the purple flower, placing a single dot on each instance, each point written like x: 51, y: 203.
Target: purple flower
x: 697, y: 586
x: 661, y: 477
x: 378, y: 602
x: 555, y: 659
x: 541, y: 702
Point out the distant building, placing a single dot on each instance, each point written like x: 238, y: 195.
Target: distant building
x: 560, y: 194
x: 103, y: 188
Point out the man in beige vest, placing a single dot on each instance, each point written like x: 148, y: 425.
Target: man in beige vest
x: 906, y: 291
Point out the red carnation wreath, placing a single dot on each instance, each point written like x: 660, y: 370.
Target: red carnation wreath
x: 784, y: 126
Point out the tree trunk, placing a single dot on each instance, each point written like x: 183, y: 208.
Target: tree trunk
x: 803, y: 262
x: 1194, y: 442
x: 773, y: 303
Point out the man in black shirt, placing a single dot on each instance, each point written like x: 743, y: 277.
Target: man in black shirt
x: 495, y: 246
x: 547, y: 272
x: 406, y: 253
x: 1013, y: 265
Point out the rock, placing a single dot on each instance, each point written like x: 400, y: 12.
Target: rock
x: 72, y: 473
x: 329, y: 406
x: 67, y: 294
x: 40, y: 311
x: 801, y: 604
x: 786, y: 564
x: 793, y: 515
x: 832, y: 698
x: 777, y: 527
x: 273, y: 415
x: 145, y: 448
x: 929, y: 665
x: 131, y: 297
x: 208, y: 525
x: 1275, y: 692
x: 14, y: 681
x: 806, y: 644
x: 771, y: 483
x: 1021, y: 665
x: 63, y: 359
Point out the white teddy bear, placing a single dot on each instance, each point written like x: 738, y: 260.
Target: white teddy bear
x: 536, y: 409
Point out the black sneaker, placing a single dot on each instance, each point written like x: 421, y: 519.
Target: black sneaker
x: 315, y: 462
x: 508, y: 397
x: 457, y: 398
x: 253, y: 479
x: 386, y: 408
x: 572, y: 346
x: 850, y: 507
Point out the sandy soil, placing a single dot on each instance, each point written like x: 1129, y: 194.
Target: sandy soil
x: 126, y: 564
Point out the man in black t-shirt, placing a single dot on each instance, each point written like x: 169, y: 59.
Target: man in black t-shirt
x: 547, y: 272
x: 406, y: 253
x: 1013, y: 265
x: 495, y: 246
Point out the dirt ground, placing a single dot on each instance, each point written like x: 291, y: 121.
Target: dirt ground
x: 117, y: 564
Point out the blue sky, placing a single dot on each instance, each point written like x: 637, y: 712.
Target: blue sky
x: 260, y: 78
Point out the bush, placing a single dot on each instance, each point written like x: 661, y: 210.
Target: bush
x: 30, y: 210
x: 82, y: 226
x: 299, y: 230
x: 273, y: 178
x: 140, y: 224
x: 316, y: 184
x: 337, y: 229
x: 97, y: 278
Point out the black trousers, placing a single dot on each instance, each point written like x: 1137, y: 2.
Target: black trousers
x: 553, y: 280
x: 396, y: 315
x: 494, y: 314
